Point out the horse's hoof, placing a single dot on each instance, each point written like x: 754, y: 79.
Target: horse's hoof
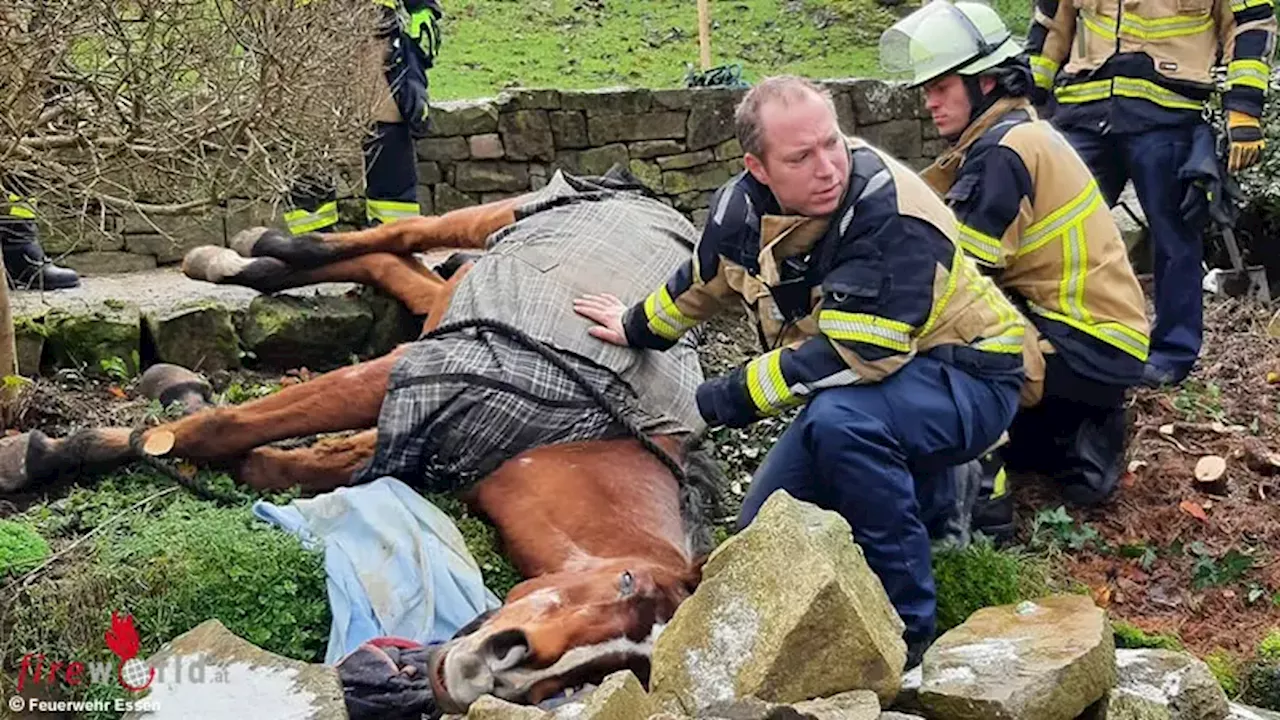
x: 211, y: 263
x: 172, y: 383
x: 244, y: 240
x: 13, y: 462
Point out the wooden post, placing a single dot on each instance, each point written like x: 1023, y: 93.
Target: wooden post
x: 704, y: 33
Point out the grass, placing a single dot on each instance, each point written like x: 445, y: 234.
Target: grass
x: 490, y: 45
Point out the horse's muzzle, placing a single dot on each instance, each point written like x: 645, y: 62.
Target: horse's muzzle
x: 439, y: 690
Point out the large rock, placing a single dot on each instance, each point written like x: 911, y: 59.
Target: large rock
x: 103, y: 339
x: 854, y: 705
x: 492, y: 175
x: 619, y: 697
x: 787, y: 610
x: 210, y: 672
x: 711, y: 116
x: 603, y: 129
x: 1237, y: 711
x: 526, y: 135
x: 198, y: 336
x: 318, y: 332
x: 1044, y: 660
x: 1161, y: 685
x: 463, y: 117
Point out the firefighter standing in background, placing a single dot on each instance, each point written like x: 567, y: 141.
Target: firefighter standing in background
x: 1131, y: 79
x: 1030, y: 214
x: 412, y: 32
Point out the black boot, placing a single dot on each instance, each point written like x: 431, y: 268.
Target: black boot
x: 26, y: 266
x: 1095, y: 457
x: 993, y: 512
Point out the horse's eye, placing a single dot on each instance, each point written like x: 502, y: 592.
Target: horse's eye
x: 627, y: 583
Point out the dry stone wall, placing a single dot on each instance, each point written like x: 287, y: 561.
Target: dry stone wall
x: 680, y: 142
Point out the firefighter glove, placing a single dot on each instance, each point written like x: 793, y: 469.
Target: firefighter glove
x: 1245, y: 133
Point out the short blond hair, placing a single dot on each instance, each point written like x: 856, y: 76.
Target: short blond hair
x: 786, y: 89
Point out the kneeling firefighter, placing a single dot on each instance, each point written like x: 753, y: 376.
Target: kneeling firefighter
x: 1031, y: 215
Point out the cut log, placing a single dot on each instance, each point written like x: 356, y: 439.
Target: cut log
x: 159, y: 443
x: 1211, y: 471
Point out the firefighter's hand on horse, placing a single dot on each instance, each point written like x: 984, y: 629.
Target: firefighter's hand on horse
x: 606, y: 310
x: 1245, y: 133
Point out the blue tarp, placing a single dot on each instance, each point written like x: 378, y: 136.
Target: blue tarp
x: 396, y: 564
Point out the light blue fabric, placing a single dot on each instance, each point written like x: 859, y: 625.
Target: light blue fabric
x: 396, y: 564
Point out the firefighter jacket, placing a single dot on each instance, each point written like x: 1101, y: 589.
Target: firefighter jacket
x: 1030, y: 212
x: 838, y: 300
x: 1133, y: 64
x: 411, y: 29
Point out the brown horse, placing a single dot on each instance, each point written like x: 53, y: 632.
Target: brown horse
x: 601, y: 527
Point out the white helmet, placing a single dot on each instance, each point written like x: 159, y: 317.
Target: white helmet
x: 965, y: 37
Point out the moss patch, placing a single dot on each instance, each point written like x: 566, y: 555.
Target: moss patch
x: 21, y: 548
x: 1134, y: 637
x: 100, y: 341
x: 981, y: 576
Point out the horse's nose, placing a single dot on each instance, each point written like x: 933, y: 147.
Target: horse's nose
x: 504, y: 650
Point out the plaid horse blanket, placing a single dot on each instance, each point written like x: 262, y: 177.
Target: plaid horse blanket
x: 460, y: 405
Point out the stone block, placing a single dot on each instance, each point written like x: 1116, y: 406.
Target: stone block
x: 647, y: 172
x: 693, y: 200
x: 673, y: 99
x: 711, y: 116
x: 464, y: 117
x: 846, y: 115
x: 486, y: 147
x: 429, y: 173
x: 164, y: 250
x: 450, y: 198
x: 443, y: 148
x: 730, y: 149
x: 899, y: 138
x: 568, y: 160
x: 528, y: 99
x: 597, y: 161
x: 699, y: 218
x: 426, y: 200
x: 933, y: 148
x: 242, y: 215
x: 526, y: 135
x: 876, y: 101
x: 184, y: 231
x: 705, y: 177
x: 686, y: 160
x: 569, y: 129
x: 608, y: 128
x: 110, y: 331
x: 496, y: 196
x: 628, y: 101
x: 645, y: 149
x: 108, y: 262
x: 198, y: 336
x: 318, y: 332
x: 492, y: 175
x: 65, y: 231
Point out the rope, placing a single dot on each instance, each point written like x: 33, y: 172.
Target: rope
x: 554, y: 358
x: 729, y: 76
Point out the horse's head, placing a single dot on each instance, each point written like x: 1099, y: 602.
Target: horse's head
x: 561, y: 630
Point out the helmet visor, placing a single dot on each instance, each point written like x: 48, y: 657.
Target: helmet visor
x: 934, y: 40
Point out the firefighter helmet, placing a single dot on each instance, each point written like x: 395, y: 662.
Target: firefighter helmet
x: 965, y: 37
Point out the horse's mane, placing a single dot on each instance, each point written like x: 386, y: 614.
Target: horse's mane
x: 702, y: 497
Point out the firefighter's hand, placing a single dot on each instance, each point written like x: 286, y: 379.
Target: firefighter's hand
x: 607, y: 311
x: 1245, y: 133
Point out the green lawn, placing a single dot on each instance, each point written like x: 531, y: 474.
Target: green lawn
x: 493, y: 44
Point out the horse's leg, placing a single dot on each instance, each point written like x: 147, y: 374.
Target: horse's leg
x: 463, y: 228
x: 327, y: 464
x: 349, y: 398
x: 404, y: 278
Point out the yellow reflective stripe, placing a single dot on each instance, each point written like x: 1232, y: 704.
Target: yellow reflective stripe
x: 664, y: 317
x: 1238, y: 5
x: 1047, y: 228
x: 1140, y: 28
x: 1001, y: 483
x: 1249, y: 73
x: 767, y: 387
x: 979, y: 244
x: 1112, y: 333
x: 304, y: 221
x: 21, y: 207
x: 1044, y: 69
x: 865, y: 328
x: 940, y: 305
x: 386, y: 3
x: 389, y: 210
x: 1125, y: 87
x: 1075, y: 259
x: 1009, y: 341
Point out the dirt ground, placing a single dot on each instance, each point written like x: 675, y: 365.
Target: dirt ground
x: 1169, y: 555
x: 1175, y: 554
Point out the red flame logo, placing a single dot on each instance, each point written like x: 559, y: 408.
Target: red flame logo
x: 122, y: 638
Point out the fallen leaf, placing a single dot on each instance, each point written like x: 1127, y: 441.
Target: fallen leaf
x: 116, y: 391
x: 1102, y: 596
x: 1193, y: 509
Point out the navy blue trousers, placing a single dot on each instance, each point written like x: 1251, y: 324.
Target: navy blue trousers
x: 1152, y: 160
x: 882, y: 455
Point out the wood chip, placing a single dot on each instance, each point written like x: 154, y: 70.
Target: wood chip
x: 1136, y: 465
x: 158, y: 443
x: 1167, y: 430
